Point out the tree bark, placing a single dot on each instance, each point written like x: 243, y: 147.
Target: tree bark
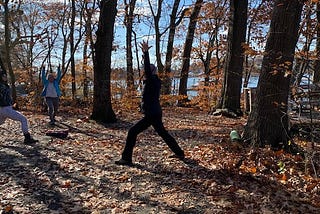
x: 167, y: 79
x: 268, y: 122
x: 316, y: 74
x: 129, y: 17
x: 88, y: 21
x: 233, y: 68
x: 187, y: 51
x: 302, y: 62
x: 156, y: 18
x: 102, y: 106
x: 71, y: 40
x: 250, y: 25
x: 7, y: 60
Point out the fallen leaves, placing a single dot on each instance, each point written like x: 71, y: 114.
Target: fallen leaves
x: 78, y: 174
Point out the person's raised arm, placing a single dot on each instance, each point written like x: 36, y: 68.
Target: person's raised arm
x: 59, y: 73
x: 43, y: 74
x: 145, y: 49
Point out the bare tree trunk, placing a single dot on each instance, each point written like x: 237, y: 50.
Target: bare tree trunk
x: 233, y: 69
x: 129, y: 17
x: 248, y: 69
x: 64, y: 34
x: 206, y: 61
x: 316, y: 74
x: 85, y: 71
x: 302, y: 63
x: 268, y: 121
x: 88, y: 12
x: 156, y: 17
x: 206, y: 56
x: 138, y: 62
x: 71, y: 39
x: 8, y: 48
x: 85, y: 52
x: 187, y: 51
x: 167, y: 79
x: 102, y: 106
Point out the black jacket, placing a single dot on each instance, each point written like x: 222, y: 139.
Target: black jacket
x: 151, y: 91
x: 5, y: 95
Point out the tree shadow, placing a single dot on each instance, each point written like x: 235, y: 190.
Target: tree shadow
x: 121, y: 125
x: 23, y: 164
x: 237, y: 190
x: 70, y: 128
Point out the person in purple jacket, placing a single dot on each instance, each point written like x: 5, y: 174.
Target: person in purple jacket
x: 152, y: 113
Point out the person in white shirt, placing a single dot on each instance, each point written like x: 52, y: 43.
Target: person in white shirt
x: 51, y: 92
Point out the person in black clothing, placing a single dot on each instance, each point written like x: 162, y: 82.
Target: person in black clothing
x: 7, y: 111
x: 152, y: 113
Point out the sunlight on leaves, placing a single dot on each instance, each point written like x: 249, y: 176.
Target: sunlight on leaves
x: 281, y: 166
x: 274, y: 72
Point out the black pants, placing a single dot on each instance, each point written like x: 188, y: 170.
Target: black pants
x: 53, y: 104
x: 143, y: 124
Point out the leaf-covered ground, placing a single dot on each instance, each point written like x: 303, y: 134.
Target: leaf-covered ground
x: 78, y: 174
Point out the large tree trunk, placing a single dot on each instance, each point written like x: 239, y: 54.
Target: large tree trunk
x: 102, y: 106
x: 187, y: 50
x: 7, y: 59
x: 268, y: 121
x: 128, y: 23
x: 231, y: 93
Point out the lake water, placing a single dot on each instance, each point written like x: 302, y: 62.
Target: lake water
x: 194, y: 81
x: 253, y: 82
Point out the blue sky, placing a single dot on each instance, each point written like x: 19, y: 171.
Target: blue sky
x: 142, y: 29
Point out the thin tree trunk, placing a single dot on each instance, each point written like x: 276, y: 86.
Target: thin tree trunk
x: 129, y: 17
x: 157, y: 17
x: 302, y: 63
x: 247, y: 68
x: 167, y: 79
x: 65, y: 42
x: 88, y: 36
x: 72, y: 47
x: 187, y: 51
x: 316, y: 74
x: 207, y: 60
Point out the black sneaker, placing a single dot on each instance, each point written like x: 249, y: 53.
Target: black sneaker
x: 180, y: 157
x: 124, y: 162
x: 28, y: 139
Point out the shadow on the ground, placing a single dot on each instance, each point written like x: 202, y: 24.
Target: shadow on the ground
x: 23, y: 165
x: 237, y: 191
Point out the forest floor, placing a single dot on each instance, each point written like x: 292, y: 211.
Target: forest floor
x: 78, y: 174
